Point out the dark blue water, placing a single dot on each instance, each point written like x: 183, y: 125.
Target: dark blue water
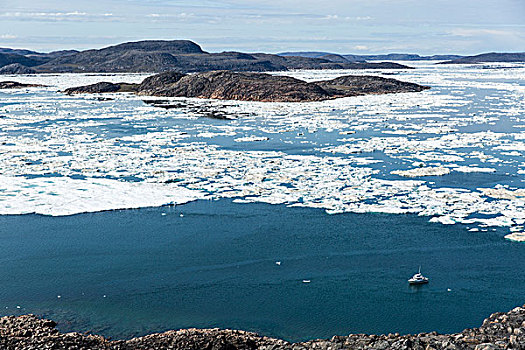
x: 124, y: 273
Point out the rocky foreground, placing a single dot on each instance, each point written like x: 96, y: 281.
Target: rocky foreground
x: 499, y: 331
x: 226, y: 85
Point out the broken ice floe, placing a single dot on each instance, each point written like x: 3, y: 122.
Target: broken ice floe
x: 62, y: 155
x: 418, y: 172
x: 516, y: 236
x: 64, y: 196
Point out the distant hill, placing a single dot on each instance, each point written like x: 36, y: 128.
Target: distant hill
x: 19, y: 61
x: 185, y: 56
x: 17, y: 51
x: 409, y: 57
x: 324, y: 55
x: 364, y: 58
x: 10, y: 58
x: 337, y: 58
x: 16, y: 68
x: 490, y: 57
x: 44, y: 55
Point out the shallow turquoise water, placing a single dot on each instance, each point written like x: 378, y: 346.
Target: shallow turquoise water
x: 124, y: 273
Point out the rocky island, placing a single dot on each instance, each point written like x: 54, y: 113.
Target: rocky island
x: 227, y: 85
x: 16, y: 85
x: 499, y: 331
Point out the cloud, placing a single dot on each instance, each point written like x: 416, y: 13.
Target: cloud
x: 361, y: 47
x: 346, y: 18
x: 54, y: 16
x: 177, y: 15
x: 331, y: 17
x: 468, y: 33
x: 42, y: 14
x: 8, y: 36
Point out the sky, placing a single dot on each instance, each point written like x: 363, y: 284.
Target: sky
x: 340, y: 26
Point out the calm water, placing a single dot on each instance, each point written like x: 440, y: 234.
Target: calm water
x: 123, y: 273
x: 131, y: 272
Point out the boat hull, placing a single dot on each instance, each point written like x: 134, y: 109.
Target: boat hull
x: 418, y: 282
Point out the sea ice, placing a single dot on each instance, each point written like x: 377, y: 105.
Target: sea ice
x: 62, y: 155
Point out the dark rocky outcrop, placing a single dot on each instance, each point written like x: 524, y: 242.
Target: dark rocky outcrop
x: 102, y: 87
x: 226, y: 85
x: 16, y: 85
x: 499, y: 331
x: 155, y: 83
x: 16, y: 68
x: 354, y: 85
x: 489, y: 57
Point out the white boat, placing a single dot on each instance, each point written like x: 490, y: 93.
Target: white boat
x: 418, y: 278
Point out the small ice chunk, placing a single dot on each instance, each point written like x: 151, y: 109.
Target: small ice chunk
x: 472, y: 169
x: 252, y: 138
x: 516, y: 237
x: 424, y: 171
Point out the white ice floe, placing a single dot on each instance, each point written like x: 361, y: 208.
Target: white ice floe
x: 63, y: 196
x: 503, y: 193
x: 473, y: 169
x: 417, y: 172
x: 516, y: 236
x: 252, y: 138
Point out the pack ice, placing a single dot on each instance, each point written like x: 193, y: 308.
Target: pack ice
x: 454, y: 153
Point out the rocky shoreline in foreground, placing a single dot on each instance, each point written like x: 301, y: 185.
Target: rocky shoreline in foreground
x: 499, y: 331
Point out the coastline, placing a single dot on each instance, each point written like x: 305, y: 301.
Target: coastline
x: 499, y: 330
